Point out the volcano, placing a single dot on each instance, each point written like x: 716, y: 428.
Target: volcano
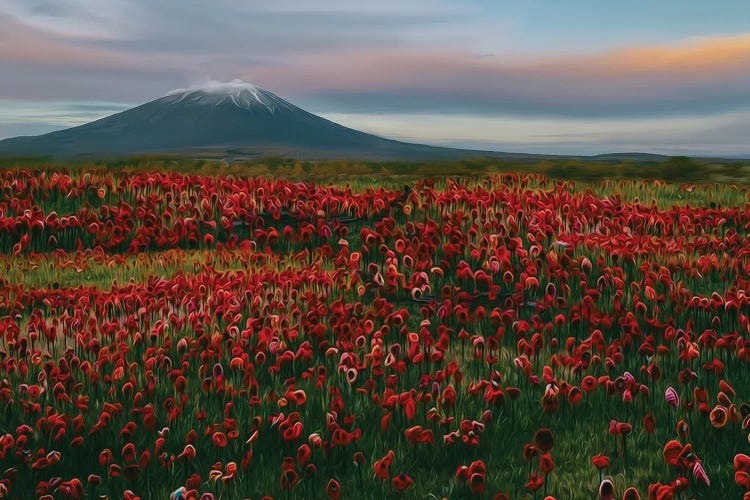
x: 232, y: 119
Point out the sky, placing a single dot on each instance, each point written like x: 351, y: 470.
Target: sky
x: 540, y: 76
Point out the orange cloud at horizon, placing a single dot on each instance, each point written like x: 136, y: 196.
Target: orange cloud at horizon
x: 700, y: 60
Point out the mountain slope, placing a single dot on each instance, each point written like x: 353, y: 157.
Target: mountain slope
x: 231, y: 117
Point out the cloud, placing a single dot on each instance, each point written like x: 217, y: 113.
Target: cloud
x: 224, y: 27
x: 78, y: 19
x: 707, y: 75
x: 28, y: 81
x: 724, y: 134
x: 35, y: 117
x: 423, y: 64
x: 394, y: 56
x: 21, y: 43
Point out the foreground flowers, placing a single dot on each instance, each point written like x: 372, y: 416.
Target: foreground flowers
x: 214, y: 337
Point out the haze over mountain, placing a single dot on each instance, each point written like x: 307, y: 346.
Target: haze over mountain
x: 234, y: 118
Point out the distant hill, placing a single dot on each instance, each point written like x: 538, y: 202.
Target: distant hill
x: 239, y: 120
x: 234, y: 118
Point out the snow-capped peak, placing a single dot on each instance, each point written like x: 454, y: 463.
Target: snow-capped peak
x: 218, y: 87
x: 240, y: 93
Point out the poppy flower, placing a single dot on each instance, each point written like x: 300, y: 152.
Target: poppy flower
x: 606, y: 489
x: 719, y: 417
x: 683, y: 429
x: 544, y: 439
x: 658, y: 491
x: 631, y: 494
x: 546, y: 463
x: 589, y: 384
x: 680, y: 484
x: 600, y: 461
x: 534, y: 483
x: 530, y: 451
x: 477, y: 483
x: 333, y: 489
x: 219, y: 439
x: 649, y: 423
x: 289, y: 479
x: 462, y: 472
x: 402, y: 482
x: 672, y: 452
x: 310, y: 471
x: 383, y: 465
x: 575, y: 396
x: 303, y: 454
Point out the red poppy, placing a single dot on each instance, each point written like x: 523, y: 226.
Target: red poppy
x: 219, y: 439
x: 544, y: 439
x: 683, y: 429
x: 534, y: 483
x: 719, y: 417
x: 672, y: 452
x: 333, y: 489
x: 589, y: 384
x: 600, y: 461
x: 402, y: 482
x: 477, y: 483
x: 383, y: 465
x: 289, y: 479
x: 303, y: 454
x: 649, y: 423
x: 546, y: 463
x: 530, y: 451
x: 631, y: 494
x: 607, y: 490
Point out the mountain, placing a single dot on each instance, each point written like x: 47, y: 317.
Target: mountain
x: 233, y: 118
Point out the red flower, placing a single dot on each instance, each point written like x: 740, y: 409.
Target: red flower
x: 418, y: 435
x: 649, y: 423
x: 303, y: 454
x: 589, y: 383
x: 359, y: 459
x: 544, y: 439
x: 631, y: 494
x: 333, y: 489
x: 683, y: 429
x: 219, y: 439
x: 402, y: 482
x: 719, y: 417
x: 383, y: 465
x: 546, y: 464
x: 600, y: 461
x: 534, y: 483
x: 530, y: 451
x: 606, y: 490
x: 289, y: 479
x: 476, y: 483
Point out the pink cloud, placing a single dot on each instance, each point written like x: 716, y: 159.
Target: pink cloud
x: 24, y: 44
x: 641, y: 73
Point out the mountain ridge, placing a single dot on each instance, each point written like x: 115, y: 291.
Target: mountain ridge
x: 229, y: 117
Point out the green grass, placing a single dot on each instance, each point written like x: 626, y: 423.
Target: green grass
x: 580, y: 431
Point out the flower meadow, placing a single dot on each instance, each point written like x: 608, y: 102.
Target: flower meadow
x: 169, y: 335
